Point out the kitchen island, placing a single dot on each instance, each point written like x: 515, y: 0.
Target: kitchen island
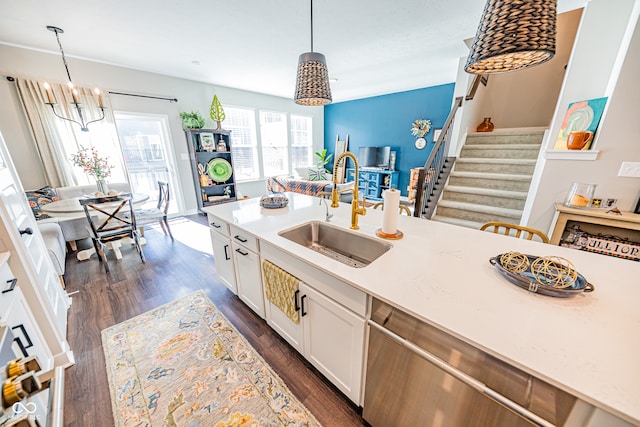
x: 586, y: 345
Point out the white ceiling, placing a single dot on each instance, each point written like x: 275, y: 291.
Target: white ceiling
x: 372, y: 47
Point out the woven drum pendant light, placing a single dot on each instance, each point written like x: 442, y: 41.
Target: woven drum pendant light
x: 513, y: 34
x: 312, y: 81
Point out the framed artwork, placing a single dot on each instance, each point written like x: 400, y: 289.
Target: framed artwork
x: 581, y: 116
x: 436, y: 134
x: 207, y: 142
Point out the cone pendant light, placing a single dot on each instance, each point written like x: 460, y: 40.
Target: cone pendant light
x: 513, y: 34
x: 312, y: 81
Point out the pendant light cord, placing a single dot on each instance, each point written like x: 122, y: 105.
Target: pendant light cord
x: 311, y: 25
x: 64, y: 59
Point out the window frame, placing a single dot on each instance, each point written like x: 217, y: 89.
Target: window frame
x: 257, y: 112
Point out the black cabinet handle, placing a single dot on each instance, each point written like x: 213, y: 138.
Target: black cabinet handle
x: 295, y: 300
x: 214, y: 225
x: 240, y: 239
x: 23, y: 348
x: 303, y: 313
x: 12, y: 285
x: 27, y: 230
x: 242, y: 253
x: 226, y: 254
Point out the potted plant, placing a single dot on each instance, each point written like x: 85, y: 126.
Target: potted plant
x: 192, y: 120
x: 323, y: 159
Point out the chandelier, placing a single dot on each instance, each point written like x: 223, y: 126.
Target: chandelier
x: 312, y: 82
x: 51, y: 100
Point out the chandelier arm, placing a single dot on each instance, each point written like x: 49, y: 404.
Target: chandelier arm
x: 96, y: 120
x: 81, y: 124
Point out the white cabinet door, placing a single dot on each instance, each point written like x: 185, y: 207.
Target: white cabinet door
x: 28, y: 338
x: 249, y: 277
x: 333, y: 340
x: 284, y: 326
x: 224, y: 261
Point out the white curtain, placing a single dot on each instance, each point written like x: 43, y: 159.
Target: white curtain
x: 57, y: 139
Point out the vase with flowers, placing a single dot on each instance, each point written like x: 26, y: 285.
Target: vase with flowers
x: 91, y: 163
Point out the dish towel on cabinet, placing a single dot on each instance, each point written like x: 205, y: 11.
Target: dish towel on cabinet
x: 281, y: 289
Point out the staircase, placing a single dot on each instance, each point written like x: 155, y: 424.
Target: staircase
x: 490, y: 180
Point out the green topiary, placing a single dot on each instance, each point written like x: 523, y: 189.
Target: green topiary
x: 192, y: 120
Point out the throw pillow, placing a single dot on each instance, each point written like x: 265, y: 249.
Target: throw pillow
x: 303, y: 173
x: 317, y: 174
x: 38, y: 198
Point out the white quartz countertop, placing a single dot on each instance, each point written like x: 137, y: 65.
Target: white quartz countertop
x: 587, y: 345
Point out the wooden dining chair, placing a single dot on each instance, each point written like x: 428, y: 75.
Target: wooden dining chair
x: 159, y: 213
x: 111, y: 219
x: 403, y: 208
x: 514, y: 230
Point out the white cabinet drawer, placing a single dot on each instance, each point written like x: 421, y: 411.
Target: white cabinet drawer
x: 243, y: 238
x: 218, y: 225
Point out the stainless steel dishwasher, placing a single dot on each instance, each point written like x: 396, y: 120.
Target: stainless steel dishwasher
x: 418, y: 375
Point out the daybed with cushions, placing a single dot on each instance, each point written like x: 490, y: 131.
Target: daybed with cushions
x: 279, y: 184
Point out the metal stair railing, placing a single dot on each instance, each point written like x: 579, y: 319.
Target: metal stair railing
x: 434, y: 168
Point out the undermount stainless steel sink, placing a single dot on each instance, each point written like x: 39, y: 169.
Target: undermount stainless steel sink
x: 348, y: 247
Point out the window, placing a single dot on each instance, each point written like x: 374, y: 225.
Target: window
x: 273, y: 133
x: 284, y: 143
x: 301, y: 142
x: 244, y: 143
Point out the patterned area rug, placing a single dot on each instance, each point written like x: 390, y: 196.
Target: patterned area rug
x: 184, y: 364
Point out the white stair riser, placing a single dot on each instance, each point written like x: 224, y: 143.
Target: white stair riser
x: 480, y: 199
x: 495, y: 184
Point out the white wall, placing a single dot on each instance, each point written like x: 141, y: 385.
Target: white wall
x: 191, y: 95
x: 605, y: 62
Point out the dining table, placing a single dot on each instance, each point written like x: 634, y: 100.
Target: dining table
x: 71, y: 209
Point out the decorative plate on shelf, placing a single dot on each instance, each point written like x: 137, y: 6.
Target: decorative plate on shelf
x: 219, y: 169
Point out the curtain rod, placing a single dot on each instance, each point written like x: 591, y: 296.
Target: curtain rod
x: 144, y: 96
x: 11, y: 79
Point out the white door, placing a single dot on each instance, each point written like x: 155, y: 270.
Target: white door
x: 30, y: 260
x: 333, y: 340
x: 148, y: 155
x: 224, y: 262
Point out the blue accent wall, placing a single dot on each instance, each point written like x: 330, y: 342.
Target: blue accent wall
x: 386, y: 120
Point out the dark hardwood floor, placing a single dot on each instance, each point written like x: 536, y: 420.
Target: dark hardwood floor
x: 172, y: 270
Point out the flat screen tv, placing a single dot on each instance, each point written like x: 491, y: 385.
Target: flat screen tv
x: 374, y: 157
